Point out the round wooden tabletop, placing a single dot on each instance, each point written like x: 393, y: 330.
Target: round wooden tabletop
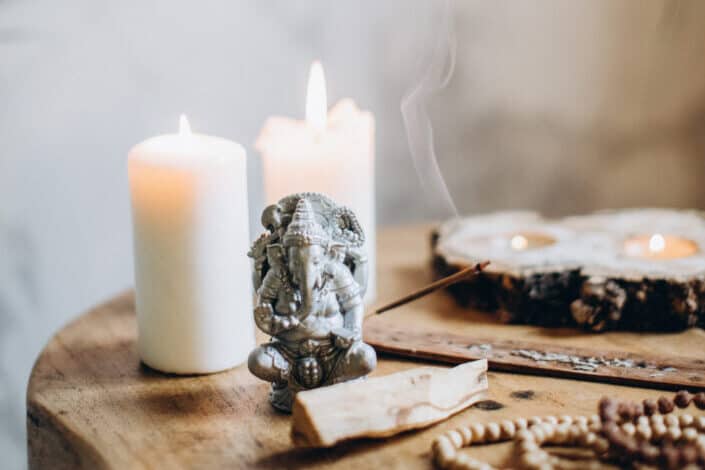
x: 91, y: 404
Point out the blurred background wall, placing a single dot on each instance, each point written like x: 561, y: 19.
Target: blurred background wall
x: 556, y: 106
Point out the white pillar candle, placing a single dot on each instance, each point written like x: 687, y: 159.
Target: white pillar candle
x: 191, y: 236
x: 330, y: 153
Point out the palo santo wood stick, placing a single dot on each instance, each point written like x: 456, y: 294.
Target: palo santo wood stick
x: 434, y: 286
x: 384, y: 406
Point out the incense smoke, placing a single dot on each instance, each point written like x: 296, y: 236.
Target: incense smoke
x: 437, y: 73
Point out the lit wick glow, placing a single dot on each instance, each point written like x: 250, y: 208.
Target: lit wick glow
x: 660, y: 247
x: 184, y: 126
x: 657, y: 243
x: 316, y: 101
x: 519, y: 243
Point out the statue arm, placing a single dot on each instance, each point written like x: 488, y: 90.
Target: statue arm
x: 349, y: 298
x: 361, y: 268
x: 266, y: 317
x: 271, y: 323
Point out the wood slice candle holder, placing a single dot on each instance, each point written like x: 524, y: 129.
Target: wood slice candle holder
x: 639, y: 269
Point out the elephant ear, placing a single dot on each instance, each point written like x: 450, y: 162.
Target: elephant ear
x: 346, y: 228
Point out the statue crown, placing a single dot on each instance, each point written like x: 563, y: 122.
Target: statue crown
x: 303, y: 228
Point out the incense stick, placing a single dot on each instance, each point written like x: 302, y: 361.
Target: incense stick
x: 434, y: 286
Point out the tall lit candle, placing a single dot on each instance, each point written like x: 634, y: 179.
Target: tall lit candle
x: 192, y: 275
x: 330, y: 153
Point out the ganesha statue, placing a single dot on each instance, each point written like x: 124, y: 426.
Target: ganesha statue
x: 310, y: 275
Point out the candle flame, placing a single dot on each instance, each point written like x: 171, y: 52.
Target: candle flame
x: 184, y: 126
x: 316, y: 101
x: 657, y: 243
x: 519, y: 242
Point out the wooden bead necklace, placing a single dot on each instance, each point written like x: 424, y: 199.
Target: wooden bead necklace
x: 624, y: 431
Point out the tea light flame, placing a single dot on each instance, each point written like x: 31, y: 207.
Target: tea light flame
x: 519, y: 243
x: 184, y: 126
x: 316, y: 101
x: 657, y: 243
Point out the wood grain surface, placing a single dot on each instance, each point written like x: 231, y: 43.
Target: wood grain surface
x: 90, y: 404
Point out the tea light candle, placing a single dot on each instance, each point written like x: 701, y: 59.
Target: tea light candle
x: 191, y: 236
x: 658, y: 246
x: 330, y: 153
x: 529, y: 240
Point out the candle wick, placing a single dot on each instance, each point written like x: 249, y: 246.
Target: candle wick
x: 184, y: 126
x: 316, y: 100
x: 657, y: 243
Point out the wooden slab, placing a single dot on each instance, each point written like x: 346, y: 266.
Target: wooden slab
x: 91, y: 405
x: 594, y: 271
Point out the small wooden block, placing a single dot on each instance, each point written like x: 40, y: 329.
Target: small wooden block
x: 384, y: 406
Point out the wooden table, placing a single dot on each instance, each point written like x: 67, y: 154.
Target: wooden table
x: 90, y: 404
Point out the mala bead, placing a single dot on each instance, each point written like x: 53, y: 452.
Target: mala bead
x: 670, y: 457
x: 467, y: 435
x: 689, y: 455
x: 533, y: 459
x: 521, y: 423
x: 538, y: 434
x: 444, y: 453
x: 550, y: 419
x: 462, y: 462
x: 549, y: 430
x: 649, y: 453
x: 682, y: 399
x: 659, y: 430
x: 624, y: 410
x: 601, y: 445
x: 656, y: 420
x: 629, y: 429
x: 527, y: 445
x: 644, y: 432
x: 455, y: 438
x: 574, y: 433
x: 671, y: 420
x: 595, y: 421
x: 535, y: 420
x: 685, y: 420
x: 608, y: 409
x: 508, y: 429
x: 674, y: 433
x: 638, y: 410
x: 665, y: 405
x: 650, y: 407
x: 444, y: 445
x: 690, y: 434
x: 523, y: 435
x: 588, y: 439
x: 699, y: 423
x: 492, y: 432
x: 478, y: 432
x: 560, y: 436
x: 699, y: 400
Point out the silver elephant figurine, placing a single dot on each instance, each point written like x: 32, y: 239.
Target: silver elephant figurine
x: 310, y: 273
